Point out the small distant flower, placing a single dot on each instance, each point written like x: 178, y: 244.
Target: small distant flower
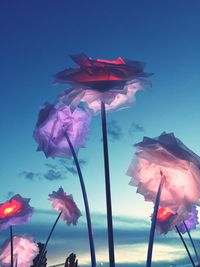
x: 54, y: 122
x: 191, y: 221
x: 65, y: 203
x: 113, y: 82
x: 15, y: 211
x: 166, y: 156
x: 24, y: 251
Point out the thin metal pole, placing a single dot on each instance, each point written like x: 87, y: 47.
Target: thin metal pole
x: 192, y: 242
x: 108, y: 191
x: 87, y: 210
x: 49, y: 236
x: 11, y: 246
x: 153, y: 223
x: 185, y: 246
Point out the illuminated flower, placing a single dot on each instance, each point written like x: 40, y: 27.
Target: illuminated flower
x: 166, y: 157
x: 65, y: 203
x: 166, y: 221
x: 94, y: 81
x: 15, y: 211
x: 191, y: 221
x: 24, y: 251
x: 54, y: 122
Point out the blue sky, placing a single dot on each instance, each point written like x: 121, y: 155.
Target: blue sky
x: 36, y: 39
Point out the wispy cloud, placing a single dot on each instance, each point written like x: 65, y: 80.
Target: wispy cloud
x: 29, y: 175
x: 114, y: 131
x: 51, y: 166
x: 135, y: 128
x: 69, y: 165
x: 53, y: 175
x: 56, y: 171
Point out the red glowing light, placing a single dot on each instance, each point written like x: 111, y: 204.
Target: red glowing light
x: 9, y: 208
x: 163, y: 214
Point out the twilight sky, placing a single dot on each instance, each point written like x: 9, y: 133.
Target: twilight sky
x: 36, y: 39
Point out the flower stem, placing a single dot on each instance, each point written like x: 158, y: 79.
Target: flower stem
x: 11, y: 246
x: 185, y: 246
x: 49, y: 236
x: 87, y: 210
x: 108, y: 191
x: 153, y: 223
x: 192, y: 242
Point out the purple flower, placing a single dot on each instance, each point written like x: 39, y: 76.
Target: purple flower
x: 94, y: 81
x: 15, y: 211
x: 191, y: 221
x: 24, y: 251
x: 166, y: 156
x: 65, y: 203
x: 54, y: 122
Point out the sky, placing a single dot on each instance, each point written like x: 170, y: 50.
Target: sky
x: 36, y: 39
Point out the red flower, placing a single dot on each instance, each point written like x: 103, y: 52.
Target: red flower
x: 15, y: 211
x: 101, y: 75
x: 9, y: 208
x: 113, y: 82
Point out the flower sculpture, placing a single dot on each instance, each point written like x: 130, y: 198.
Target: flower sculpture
x: 54, y: 122
x: 103, y: 85
x: 168, y: 158
x: 113, y: 82
x: 65, y: 204
x: 60, y: 132
x: 15, y: 211
x: 25, y: 250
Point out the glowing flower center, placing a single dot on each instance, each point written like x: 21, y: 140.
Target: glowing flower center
x: 10, y: 208
x: 163, y: 214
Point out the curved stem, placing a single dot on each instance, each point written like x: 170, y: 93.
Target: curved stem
x: 11, y: 246
x: 87, y: 210
x: 153, y: 223
x: 108, y: 191
x: 49, y: 236
x: 185, y: 246
x: 192, y: 242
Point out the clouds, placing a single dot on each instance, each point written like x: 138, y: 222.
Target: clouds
x: 114, y: 131
x: 29, y: 175
x: 69, y: 165
x: 52, y: 175
x: 135, y: 128
x: 58, y: 171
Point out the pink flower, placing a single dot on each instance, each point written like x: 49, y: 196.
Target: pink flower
x: 24, y: 251
x: 94, y: 81
x: 166, y: 156
x: 15, y: 211
x: 65, y: 203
